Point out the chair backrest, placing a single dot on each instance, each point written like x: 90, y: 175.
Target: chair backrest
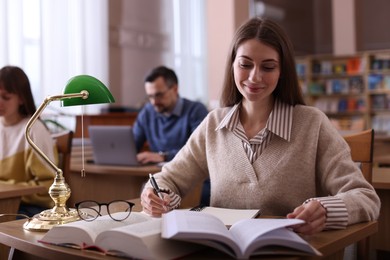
x: 362, y: 150
x: 64, y: 147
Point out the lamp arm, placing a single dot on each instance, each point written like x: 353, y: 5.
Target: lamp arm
x: 83, y: 94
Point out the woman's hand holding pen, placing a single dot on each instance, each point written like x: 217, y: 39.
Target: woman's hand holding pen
x: 313, y: 213
x: 152, y: 204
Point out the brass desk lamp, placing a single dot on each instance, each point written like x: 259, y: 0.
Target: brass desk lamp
x: 80, y: 90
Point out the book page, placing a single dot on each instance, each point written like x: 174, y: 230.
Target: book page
x: 246, y: 232
x: 84, y: 232
x: 129, y: 240
x: 196, y: 226
x: 282, y: 237
x: 231, y: 216
x: 142, y: 241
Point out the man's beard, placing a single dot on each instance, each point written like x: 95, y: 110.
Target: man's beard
x: 161, y: 109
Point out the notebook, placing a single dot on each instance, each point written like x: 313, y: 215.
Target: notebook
x: 113, y: 145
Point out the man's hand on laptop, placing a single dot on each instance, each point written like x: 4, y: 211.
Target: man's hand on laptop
x: 150, y: 157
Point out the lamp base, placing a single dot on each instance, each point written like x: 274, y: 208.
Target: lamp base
x: 47, y: 219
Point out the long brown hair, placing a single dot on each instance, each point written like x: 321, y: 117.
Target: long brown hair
x: 270, y: 33
x: 14, y: 80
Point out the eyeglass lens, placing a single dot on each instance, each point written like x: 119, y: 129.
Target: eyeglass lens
x: 90, y: 210
x: 158, y: 95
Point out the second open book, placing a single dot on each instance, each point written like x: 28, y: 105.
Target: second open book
x: 245, y: 238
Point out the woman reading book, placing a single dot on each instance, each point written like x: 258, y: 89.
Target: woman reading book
x: 264, y: 148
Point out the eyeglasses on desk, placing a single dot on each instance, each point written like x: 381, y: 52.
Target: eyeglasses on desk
x: 89, y: 210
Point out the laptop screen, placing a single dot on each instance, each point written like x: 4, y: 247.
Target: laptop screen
x: 113, y: 145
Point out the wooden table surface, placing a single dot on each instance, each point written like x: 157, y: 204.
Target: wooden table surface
x: 17, y: 190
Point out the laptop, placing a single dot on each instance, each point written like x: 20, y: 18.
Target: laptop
x: 113, y: 145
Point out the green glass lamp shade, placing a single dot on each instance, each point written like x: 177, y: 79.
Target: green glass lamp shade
x: 98, y: 92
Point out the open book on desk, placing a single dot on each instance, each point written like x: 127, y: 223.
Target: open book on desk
x: 138, y: 236
x: 228, y: 216
x: 245, y: 238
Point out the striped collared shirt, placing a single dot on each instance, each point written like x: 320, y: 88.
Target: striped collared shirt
x: 280, y: 123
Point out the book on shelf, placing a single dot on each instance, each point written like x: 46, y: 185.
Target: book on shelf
x: 381, y: 124
x: 301, y: 69
x: 341, y: 105
x: 337, y: 86
x: 356, y: 85
x: 138, y: 236
x: 326, y: 68
x: 340, y: 68
x: 380, y: 62
x: 316, y: 67
x: 347, y: 125
x: 316, y: 88
x: 351, y: 104
x: 375, y: 81
x: 244, y: 239
x: 355, y: 65
x: 386, y: 82
x: 228, y: 216
x: 379, y: 102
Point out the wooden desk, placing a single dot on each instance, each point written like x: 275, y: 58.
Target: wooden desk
x: 106, y: 182
x: 330, y: 243
x: 10, y: 198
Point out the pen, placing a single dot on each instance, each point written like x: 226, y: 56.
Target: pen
x: 155, y: 186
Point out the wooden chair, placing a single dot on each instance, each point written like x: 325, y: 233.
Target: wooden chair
x: 64, y: 146
x: 362, y: 150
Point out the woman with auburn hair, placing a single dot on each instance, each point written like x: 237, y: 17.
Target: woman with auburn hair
x: 19, y: 164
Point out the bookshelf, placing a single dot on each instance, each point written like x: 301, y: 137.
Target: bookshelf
x: 353, y: 90
x: 378, y: 85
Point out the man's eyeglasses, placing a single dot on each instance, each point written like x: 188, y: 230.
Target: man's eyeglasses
x: 158, y: 95
x: 89, y: 210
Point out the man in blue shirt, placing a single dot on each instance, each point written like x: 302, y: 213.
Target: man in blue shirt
x: 167, y: 121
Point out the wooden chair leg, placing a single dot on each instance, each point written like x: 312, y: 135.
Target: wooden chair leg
x: 363, y: 249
